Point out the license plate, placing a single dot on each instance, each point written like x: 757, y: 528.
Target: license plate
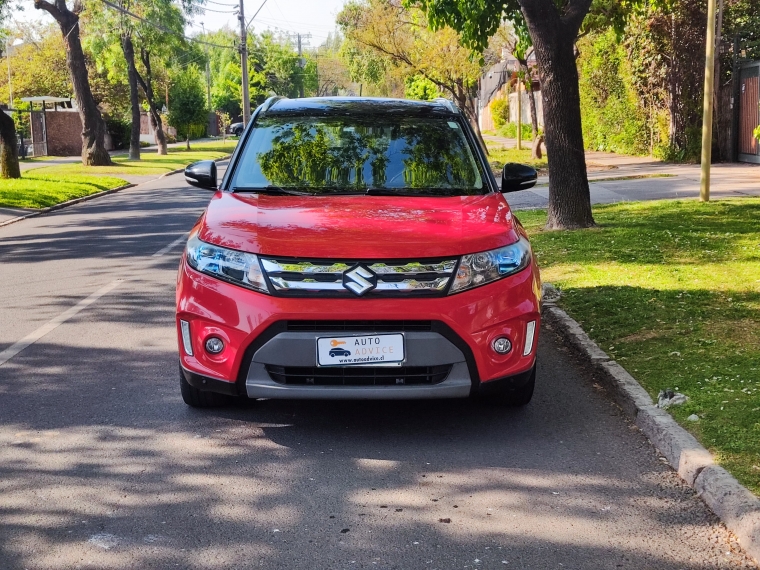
x: 364, y: 350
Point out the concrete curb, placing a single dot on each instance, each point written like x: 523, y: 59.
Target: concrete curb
x: 734, y: 504
x: 96, y: 195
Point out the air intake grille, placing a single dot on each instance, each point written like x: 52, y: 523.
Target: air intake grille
x: 359, y: 375
x: 359, y: 326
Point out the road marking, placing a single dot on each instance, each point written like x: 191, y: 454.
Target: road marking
x: 171, y: 246
x: 51, y: 325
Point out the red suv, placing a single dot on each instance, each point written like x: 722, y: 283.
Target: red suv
x: 358, y: 249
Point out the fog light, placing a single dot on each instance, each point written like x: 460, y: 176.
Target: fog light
x: 214, y: 345
x: 501, y: 345
x: 186, y: 342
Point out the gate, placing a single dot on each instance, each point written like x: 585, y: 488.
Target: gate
x: 749, y: 112
x: 38, y: 132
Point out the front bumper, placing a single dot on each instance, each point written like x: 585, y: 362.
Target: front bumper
x: 255, y: 331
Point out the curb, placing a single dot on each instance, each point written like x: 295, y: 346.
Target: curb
x: 93, y: 196
x: 734, y: 504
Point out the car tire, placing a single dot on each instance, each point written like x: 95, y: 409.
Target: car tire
x: 200, y: 398
x: 517, y: 397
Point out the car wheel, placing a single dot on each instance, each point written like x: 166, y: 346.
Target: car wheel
x: 518, y: 397
x: 199, y: 398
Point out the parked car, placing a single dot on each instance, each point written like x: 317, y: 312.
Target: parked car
x: 373, y: 226
x: 237, y: 129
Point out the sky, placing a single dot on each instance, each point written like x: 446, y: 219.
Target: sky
x: 291, y: 16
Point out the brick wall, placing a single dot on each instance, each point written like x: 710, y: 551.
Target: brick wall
x: 64, y: 133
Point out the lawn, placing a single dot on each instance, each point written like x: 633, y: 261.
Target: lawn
x: 500, y: 155
x: 150, y: 162
x: 37, y: 190
x: 50, y: 185
x: 671, y: 290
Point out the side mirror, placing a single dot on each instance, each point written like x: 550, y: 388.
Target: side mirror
x: 516, y: 177
x: 202, y: 174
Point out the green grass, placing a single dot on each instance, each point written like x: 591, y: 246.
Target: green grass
x: 499, y: 156
x: 150, y: 162
x: 671, y: 290
x: 36, y: 190
x: 50, y: 185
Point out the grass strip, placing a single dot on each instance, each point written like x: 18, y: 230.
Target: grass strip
x: 50, y: 185
x: 671, y: 290
x: 150, y: 163
x: 37, y: 190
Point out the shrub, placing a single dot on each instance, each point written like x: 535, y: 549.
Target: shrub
x: 120, y: 131
x: 509, y: 131
x: 499, y: 112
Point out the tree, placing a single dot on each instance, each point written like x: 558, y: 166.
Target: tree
x: 400, y: 36
x: 108, y: 29
x: 554, y: 27
x: 94, y: 152
x: 187, y: 98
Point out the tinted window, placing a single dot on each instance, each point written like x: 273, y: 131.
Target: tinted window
x: 349, y: 154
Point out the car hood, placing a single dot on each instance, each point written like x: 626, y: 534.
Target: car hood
x: 358, y: 227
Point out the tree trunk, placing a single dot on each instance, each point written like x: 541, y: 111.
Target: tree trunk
x: 155, y: 116
x: 134, y: 101
x: 94, y: 151
x: 9, y: 167
x: 531, y: 100
x: 554, y: 40
x: 187, y: 140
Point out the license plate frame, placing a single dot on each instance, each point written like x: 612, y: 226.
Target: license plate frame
x: 366, y: 356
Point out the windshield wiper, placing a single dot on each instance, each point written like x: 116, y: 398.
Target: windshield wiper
x: 271, y: 189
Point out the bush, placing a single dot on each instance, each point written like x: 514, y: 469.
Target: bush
x: 757, y: 133
x: 120, y: 131
x: 499, y: 112
x: 509, y: 131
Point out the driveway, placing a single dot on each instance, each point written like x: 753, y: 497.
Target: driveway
x: 103, y: 466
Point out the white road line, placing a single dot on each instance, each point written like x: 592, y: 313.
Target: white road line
x: 36, y: 335
x: 51, y: 325
x: 171, y: 246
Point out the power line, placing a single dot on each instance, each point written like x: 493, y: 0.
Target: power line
x: 248, y: 25
x: 222, y: 4
x: 162, y: 28
x: 217, y: 11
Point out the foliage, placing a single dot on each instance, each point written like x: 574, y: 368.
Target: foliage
x: 757, y: 133
x: 509, y: 131
x: 613, y: 118
x: 120, y: 131
x: 499, y: 155
x: 420, y: 88
x: 500, y: 111
x: 384, y: 37
x: 669, y: 290
x: 187, y: 101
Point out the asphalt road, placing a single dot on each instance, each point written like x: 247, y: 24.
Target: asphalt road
x: 103, y: 466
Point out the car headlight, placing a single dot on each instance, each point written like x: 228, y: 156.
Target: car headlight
x: 480, y: 268
x: 236, y: 267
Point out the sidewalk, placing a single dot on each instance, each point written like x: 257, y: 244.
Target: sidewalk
x: 619, y: 178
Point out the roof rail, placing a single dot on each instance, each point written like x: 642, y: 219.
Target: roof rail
x: 269, y: 102
x: 448, y: 104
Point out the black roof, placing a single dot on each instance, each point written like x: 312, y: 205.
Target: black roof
x: 326, y: 106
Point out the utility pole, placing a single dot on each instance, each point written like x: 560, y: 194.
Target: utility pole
x: 244, y: 66
x: 208, y: 73
x: 301, y: 60
x: 707, y: 115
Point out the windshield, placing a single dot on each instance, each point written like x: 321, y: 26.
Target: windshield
x: 338, y: 155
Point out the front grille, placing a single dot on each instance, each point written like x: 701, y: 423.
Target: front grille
x: 331, y: 278
x: 359, y: 375
x: 359, y: 326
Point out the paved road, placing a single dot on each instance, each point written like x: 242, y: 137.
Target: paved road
x: 103, y: 466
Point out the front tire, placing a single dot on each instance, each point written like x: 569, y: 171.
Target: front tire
x: 200, y: 398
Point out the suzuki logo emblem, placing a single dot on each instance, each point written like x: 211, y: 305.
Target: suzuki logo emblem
x: 359, y: 280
